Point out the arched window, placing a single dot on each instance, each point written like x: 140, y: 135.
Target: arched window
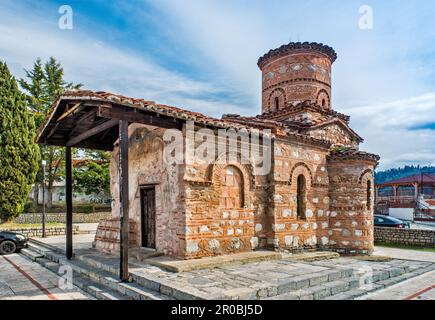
x: 369, y: 195
x: 232, y: 188
x: 276, y: 103
x: 301, y: 196
x: 323, y: 103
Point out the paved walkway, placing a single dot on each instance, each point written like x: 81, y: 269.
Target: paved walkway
x: 22, y: 279
x: 80, y: 241
x: 240, y: 280
x: 418, y: 288
x: 405, y: 254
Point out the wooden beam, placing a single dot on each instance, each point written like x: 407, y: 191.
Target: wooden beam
x: 95, y: 146
x: 82, y: 119
x: 123, y: 196
x: 87, y: 115
x: 70, y: 111
x: 52, y: 131
x: 91, y: 132
x: 69, y: 208
x: 137, y: 116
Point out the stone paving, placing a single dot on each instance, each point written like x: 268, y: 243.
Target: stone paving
x: 285, y: 279
x: 39, y: 284
x: 242, y: 281
x: 80, y: 241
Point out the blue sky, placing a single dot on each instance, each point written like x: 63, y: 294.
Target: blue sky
x: 202, y: 54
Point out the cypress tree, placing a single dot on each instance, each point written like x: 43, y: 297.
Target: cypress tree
x: 19, y: 155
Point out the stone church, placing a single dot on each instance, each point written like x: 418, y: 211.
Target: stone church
x: 317, y: 195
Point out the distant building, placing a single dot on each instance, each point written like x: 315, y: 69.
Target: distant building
x: 58, y: 193
x: 416, y: 191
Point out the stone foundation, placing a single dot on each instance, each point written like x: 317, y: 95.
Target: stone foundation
x: 37, y: 232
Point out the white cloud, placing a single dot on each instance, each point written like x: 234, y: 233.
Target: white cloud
x: 99, y: 66
x: 374, y: 67
x: 388, y: 130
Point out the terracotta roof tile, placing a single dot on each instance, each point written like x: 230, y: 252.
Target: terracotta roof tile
x: 416, y: 178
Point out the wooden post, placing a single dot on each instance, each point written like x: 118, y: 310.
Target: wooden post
x: 123, y: 197
x: 69, y: 208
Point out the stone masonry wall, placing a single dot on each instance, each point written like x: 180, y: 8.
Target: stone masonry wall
x: 213, y: 229
x: 412, y: 237
x: 295, y: 78
x: 148, y: 168
x: 193, y: 218
x: 351, y: 217
x: 37, y: 232
x: 288, y: 231
x: 61, y: 217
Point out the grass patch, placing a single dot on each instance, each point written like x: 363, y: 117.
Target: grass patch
x: 12, y: 225
x: 403, y: 246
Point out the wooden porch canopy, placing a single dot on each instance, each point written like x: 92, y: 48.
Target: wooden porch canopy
x: 84, y: 119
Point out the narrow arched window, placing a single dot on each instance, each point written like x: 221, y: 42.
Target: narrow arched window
x: 232, y: 188
x: 301, y: 196
x: 323, y: 103
x: 369, y: 195
x: 276, y: 103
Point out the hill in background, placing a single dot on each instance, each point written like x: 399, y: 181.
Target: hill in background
x: 397, y: 173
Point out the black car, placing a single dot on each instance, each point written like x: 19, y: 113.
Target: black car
x: 385, y: 221
x: 11, y: 242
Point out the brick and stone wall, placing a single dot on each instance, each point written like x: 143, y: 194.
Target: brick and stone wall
x: 224, y: 204
x: 297, y: 77
x: 61, y: 217
x: 147, y: 167
x: 351, y: 216
x: 411, y: 237
x: 108, y: 235
x: 288, y: 231
x: 225, y: 207
x: 37, y: 232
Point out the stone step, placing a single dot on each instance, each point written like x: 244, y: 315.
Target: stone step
x: 89, y: 260
x: 165, y: 288
x: 311, y: 256
x: 104, y: 274
x: 81, y: 281
x: 284, y: 286
x: 142, y: 254
x: 353, y: 287
x: 355, y: 293
x: 54, y: 267
x: 107, y: 279
x: 96, y: 290
x: 30, y: 254
x: 320, y: 291
x: 41, y: 246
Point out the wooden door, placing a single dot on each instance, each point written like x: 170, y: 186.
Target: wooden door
x: 148, y: 217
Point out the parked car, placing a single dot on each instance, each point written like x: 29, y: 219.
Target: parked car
x: 391, y: 222
x: 11, y: 242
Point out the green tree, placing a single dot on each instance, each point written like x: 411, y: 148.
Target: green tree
x: 45, y: 82
x: 93, y: 177
x: 19, y: 155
